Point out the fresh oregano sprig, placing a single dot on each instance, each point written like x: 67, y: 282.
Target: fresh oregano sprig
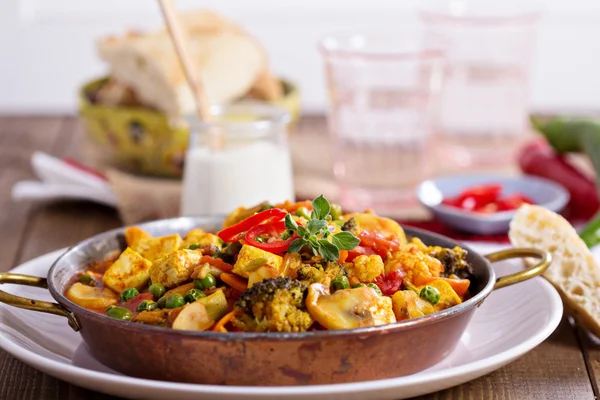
x: 316, y: 233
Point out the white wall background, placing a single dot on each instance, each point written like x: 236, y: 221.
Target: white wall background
x: 47, y: 46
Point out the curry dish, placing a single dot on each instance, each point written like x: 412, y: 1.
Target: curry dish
x: 290, y: 267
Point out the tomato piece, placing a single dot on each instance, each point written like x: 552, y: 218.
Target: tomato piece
x: 274, y: 243
x: 378, y: 243
x: 475, y: 197
x: 235, y: 232
x: 133, y: 303
x: 359, y: 251
x: 390, y: 282
x: 513, y: 202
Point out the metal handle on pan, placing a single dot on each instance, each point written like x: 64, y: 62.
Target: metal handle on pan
x: 544, y: 262
x: 30, y: 304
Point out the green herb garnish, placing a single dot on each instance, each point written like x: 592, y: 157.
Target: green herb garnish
x: 316, y: 233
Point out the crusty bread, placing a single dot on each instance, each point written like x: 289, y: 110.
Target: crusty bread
x: 229, y: 60
x: 573, y: 271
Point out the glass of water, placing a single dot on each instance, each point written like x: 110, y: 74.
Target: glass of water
x: 484, y: 105
x: 383, y: 89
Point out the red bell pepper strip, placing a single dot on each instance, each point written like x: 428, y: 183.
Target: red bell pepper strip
x: 378, y: 243
x: 274, y: 243
x: 235, y: 232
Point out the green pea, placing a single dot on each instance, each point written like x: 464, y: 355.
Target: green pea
x: 129, y: 294
x: 357, y: 285
x: 147, y: 305
x: 207, y: 282
x: 161, y: 302
x: 340, y: 282
x: 375, y: 288
x: 430, y: 294
x: 335, y: 212
x: 87, y: 280
x: 303, y: 212
x: 193, y: 294
x: 174, y: 300
x: 119, y: 313
x: 157, y: 290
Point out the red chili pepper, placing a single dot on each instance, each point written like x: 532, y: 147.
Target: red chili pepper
x: 537, y: 158
x: 235, y: 232
x: 359, y: 251
x: 378, y: 243
x: 273, y: 230
x: 390, y: 282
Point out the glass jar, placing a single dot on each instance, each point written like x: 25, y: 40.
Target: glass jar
x: 240, y: 158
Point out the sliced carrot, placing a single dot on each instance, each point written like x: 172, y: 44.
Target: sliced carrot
x: 220, y: 326
x: 217, y: 262
x: 460, y: 286
x: 234, y: 281
x: 353, y: 281
x: 291, y: 207
x: 343, y: 256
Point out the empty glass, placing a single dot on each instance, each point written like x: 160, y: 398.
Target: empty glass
x: 382, y: 89
x: 484, y: 104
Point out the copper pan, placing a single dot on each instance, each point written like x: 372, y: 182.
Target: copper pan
x: 265, y: 359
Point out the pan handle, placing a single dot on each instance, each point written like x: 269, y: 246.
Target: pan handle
x: 544, y: 258
x: 30, y: 304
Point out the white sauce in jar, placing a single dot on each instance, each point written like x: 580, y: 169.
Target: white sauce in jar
x: 219, y: 181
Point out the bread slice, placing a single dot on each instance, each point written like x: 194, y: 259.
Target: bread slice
x: 229, y: 60
x: 573, y: 272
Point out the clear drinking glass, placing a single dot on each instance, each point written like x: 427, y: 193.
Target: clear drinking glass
x: 382, y: 88
x: 484, y: 105
x: 242, y: 158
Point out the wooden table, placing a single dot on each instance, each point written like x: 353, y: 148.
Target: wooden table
x: 565, y: 366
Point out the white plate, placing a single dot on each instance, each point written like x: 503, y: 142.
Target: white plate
x: 510, y: 322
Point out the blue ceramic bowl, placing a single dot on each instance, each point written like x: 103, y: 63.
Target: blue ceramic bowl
x: 542, y: 191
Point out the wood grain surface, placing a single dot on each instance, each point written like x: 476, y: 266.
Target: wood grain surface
x: 565, y: 366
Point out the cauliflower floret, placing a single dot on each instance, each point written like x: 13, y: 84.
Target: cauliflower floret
x: 249, y: 253
x: 175, y: 268
x: 365, y: 268
x: 130, y: 270
x: 155, y: 248
x: 348, y: 308
x: 414, y: 262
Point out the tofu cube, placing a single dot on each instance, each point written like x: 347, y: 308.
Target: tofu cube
x: 249, y: 253
x: 201, y: 238
x: 130, y: 270
x: 134, y: 234
x: 175, y: 268
x: 154, y: 248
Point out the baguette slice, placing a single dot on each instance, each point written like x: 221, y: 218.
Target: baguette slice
x: 573, y: 272
x: 229, y: 61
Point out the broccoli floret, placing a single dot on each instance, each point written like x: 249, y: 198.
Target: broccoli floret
x: 351, y: 226
x: 454, y: 261
x: 273, y: 305
x: 318, y: 273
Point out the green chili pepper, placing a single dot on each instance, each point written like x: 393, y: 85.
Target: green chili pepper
x: 87, y: 280
x: 591, y: 232
x: 147, y: 305
x: 375, y: 288
x: 302, y: 212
